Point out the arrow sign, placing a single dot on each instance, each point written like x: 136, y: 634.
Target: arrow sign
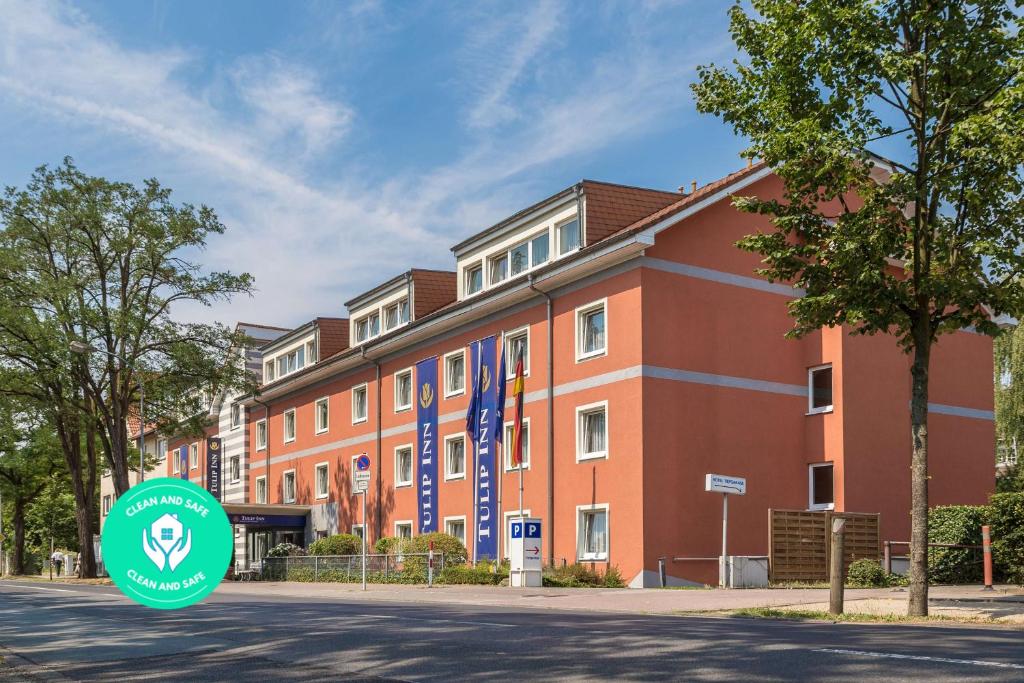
x: 533, y: 551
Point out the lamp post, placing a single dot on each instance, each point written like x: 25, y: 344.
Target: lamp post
x: 85, y: 350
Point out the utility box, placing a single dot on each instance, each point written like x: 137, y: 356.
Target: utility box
x: 524, y: 548
x: 747, y: 571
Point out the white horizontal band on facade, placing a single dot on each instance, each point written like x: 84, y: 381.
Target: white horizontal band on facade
x: 721, y: 276
x: 959, y: 411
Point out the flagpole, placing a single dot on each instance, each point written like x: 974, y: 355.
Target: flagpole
x: 500, y: 461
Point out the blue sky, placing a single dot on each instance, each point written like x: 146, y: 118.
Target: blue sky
x: 343, y: 143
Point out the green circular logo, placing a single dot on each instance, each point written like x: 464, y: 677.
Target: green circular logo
x: 167, y: 543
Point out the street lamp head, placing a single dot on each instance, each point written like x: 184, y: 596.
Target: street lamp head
x: 81, y: 347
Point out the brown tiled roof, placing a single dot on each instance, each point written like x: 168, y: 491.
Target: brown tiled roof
x: 333, y: 336
x: 432, y: 290
x: 610, y: 207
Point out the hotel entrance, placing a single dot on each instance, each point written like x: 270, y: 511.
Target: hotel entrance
x: 265, y: 526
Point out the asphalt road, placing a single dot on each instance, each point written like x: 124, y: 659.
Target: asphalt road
x: 62, y: 632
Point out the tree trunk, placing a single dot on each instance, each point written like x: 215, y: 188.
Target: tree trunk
x: 71, y: 442
x: 19, y: 537
x: 918, y: 597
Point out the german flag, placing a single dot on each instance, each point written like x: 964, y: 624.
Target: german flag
x: 517, y: 425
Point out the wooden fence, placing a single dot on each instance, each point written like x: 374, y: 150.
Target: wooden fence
x: 798, y: 542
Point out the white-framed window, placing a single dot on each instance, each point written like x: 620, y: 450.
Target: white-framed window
x: 820, y: 486
x: 234, y: 469
x: 323, y: 414
x: 323, y: 484
x: 289, y: 425
x: 236, y: 415
x: 368, y: 326
x: 456, y: 526
x: 161, y: 449
x: 403, y: 390
x: 193, y: 456
x: 568, y: 235
x: 396, y: 314
x: 403, y: 529
x: 497, y: 268
x: 592, y: 538
x: 176, y: 462
x: 288, y: 486
x: 454, y: 373
x: 591, y: 330
x: 403, y: 465
x: 293, y: 361
x: 540, y: 249
x: 357, y: 530
x: 474, y: 278
x: 359, y: 403
x: 507, y: 445
x: 455, y: 457
x: 819, y: 389
x: 261, y: 435
x: 311, y: 356
x: 106, y: 505
x: 509, y: 516
x: 261, y: 490
x: 592, y: 431
x: 517, y: 342
x: 268, y: 371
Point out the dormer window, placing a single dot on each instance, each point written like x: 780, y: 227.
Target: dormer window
x: 539, y: 249
x: 499, y: 268
x: 568, y: 236
x: 519, y: 258
x: 474, y: 279
x: 311, y: 351
x: 396, y: 314
x: 368, y: 327
x: 268, y: 371
x: 290, y: 362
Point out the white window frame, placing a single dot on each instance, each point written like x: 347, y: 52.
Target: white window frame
x: 261, y: 446
x: 587, y: 557
x: 176, y: 461
x: 316, y: 480
x: 404, y: 522
x: 811, y: 410
x: 457, y: 518
x: 557, y: 246
x: 399, y: 408
x: 364, y: 388
x: 506, y: 454
x: 256, y: 490
x: 311, y: 352
x: 284, y: 489
x: 106, y: 505
x: 236, y: 421
x: 510, y: 361
x: 491, y: 259
x: 231, y: 474
x: 193, y: 456
x: 412, y: 459
x: 360, y: 531
x: 581, y: 311
x: 465, y: 460
x: 580, y: 410
x: 318, y: 428
x: 161, y: 449
x: 507, y: 530
x: 447, y: 391
x: 810, y: 486
x: 268, y: 371
x: 284, y: 425
x: 465, y: 278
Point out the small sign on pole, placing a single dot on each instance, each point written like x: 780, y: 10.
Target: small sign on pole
x: 360, y: 485
x: 720, y: 483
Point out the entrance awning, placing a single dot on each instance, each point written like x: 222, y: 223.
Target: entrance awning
x: 268, y: 516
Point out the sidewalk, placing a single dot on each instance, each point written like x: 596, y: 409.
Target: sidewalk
x: 1004, y: 601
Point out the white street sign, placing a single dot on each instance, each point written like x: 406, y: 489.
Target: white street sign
x: 360, y: 482
x: 720, y: 483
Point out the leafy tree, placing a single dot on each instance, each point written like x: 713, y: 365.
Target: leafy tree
x: 87, y: 261
x: 1009, y: 391
x: 916, y: 247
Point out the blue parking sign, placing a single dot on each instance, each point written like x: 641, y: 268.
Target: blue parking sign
x: 517, y: 529
x: 532, y: 530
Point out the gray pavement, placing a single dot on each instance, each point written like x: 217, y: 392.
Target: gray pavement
x: 266, y: 633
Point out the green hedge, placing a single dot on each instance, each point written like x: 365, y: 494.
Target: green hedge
x: 580, y: 576
x: 341, y: 544
x: 482, y: 574
x: 960, y: 525
x: 1006, y: 519
x: 286, y: 550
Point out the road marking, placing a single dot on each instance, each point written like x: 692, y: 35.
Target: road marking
x: 38, y: 588
x: 922, y: 658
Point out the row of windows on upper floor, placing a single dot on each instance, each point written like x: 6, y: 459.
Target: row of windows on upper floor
x: 290, y: 362
x: 394, y: 315
x: 532, y: 252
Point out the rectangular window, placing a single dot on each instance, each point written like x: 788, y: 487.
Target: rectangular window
x: 819, y: 389
x: 403, y: 390
x: 261, y: 435
x: 403, y: 466
x: 193, y: 456
x: 403, y: 529
x: 519, y: 258
x: 176, y: 463
x: 517, y: 342
x: 359, y: 404
x: 261, y: 490
x: 498, y: 269
x: 591, y: 339
x: 455, y: 457
x: 288, y: 486
x: 456, y: 526
x: 311, y: 351
x: 474, y: 279
x: 821, y: 494
x: 454, y: 373
x: 234, y: 469
x: 362, y: 329
x: 507, y: 445
x: 403, y: 311
x: 391, y: 317
x: 592, y: 529
x: 268, y: 371
x: 322, y: 409
x: 374, y: 323
x: 539, y: 249
x: 236, y: 415
x: 106, y: 505
x: 592, y: 431
x: 161, y: 449
x: 568, y: 237
x: 357, y: 530
x: 322, y: 482
x: 282, y: 366
x: 289, y: 425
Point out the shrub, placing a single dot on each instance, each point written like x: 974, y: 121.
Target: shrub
x: 961, y: 525
x: 580, y: 576
x: 613, y: 578
x: 286, y: 550
x: 454, y: 551
x: 866, y: 573
x: 482, y: 574
x: 386, y: 545
x: 1006, y: 518
x: 341, y: 544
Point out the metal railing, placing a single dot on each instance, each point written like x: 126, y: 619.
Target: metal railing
x: 349, y: 568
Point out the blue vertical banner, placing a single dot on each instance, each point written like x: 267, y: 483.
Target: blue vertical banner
x: 487, y: 528
x: 214, y: 466
x: 183, y: 461
x: 426, y: 443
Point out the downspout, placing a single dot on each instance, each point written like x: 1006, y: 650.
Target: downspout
x: 377, y: 526
x: 551, y: 424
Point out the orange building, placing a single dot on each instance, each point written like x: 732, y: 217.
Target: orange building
x: 653, y: 355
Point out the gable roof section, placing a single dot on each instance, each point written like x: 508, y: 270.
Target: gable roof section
x: 432, y: 290
x: 333, y: 335
x: 611, y: 207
